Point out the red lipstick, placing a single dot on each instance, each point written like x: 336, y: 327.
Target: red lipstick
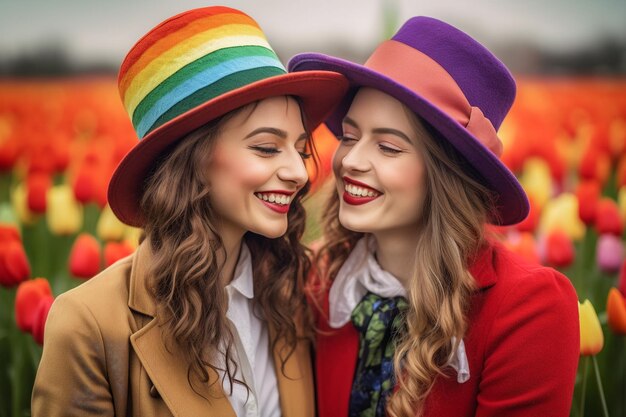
x: 358, y: 200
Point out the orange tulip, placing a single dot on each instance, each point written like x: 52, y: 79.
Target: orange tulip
x: 27, y: 298
x: 85, y: 259
x: 524, y: 245
x: 591, y: 336
x: 616, y: 311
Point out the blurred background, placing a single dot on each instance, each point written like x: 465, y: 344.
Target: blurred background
x: 63, y: 130
x: 560, y: 37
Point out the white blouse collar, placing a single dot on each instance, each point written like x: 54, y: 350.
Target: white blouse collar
x: 361, y: 273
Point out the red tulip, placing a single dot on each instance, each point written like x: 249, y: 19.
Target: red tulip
x: 27, y: 298
x: 114, y: 251
x: 14, y: 266
x: 40, y: 317
x: 559, y: 249
x: 588, y: 194
x: 608, y: 219
x: 529, y: 224
x: 595, y: 165
x: 84, y: 184
x: 37, y: 185
x: 8, y: 154
x: 84, y: 259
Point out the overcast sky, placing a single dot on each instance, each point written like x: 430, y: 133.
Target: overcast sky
x: 106, y: 29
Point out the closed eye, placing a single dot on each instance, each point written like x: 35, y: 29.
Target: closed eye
x: 388, y: 149
x: 347, y: 140
x: 265, y: 150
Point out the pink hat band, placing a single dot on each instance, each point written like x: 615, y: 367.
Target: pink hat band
x: 425, y: 77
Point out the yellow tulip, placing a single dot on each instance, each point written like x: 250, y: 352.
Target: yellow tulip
x: 537, y: 180
x: 562, y: 213
x: 20, y: 205
x: 65, y: 214
x: 591, y: 337
x: 109, y: 227
x: 132, y: 236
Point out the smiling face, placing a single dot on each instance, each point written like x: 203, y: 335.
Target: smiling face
x: 378, y: 166
x: 256, y: 168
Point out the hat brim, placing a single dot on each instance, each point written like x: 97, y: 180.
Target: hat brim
x: 512, y: 203
x: 319, y: 92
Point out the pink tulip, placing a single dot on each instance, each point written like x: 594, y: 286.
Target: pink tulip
x: 609, y: 253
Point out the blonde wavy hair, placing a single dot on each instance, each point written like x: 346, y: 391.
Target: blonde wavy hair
x: 180, y: 224
x: 451, y: 232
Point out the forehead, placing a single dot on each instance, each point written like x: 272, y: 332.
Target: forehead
x: 374, y: 107
x: 272, y: 111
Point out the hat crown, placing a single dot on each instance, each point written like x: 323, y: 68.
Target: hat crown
x: 190, y: 59
x: 483, y: 78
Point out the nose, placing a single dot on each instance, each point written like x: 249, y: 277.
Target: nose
x: 293, y: 169
x: 355, y: 158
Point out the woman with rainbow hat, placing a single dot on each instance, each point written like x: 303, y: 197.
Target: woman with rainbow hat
x: 420, y: 311
x: 206, y: 318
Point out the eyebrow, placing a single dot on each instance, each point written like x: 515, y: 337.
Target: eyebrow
x: 381, y: 130
x: 274, y: 131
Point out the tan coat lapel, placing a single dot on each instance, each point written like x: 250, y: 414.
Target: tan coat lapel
x: 170, y: 377
x: 297, y: 397
x: 165, y: 368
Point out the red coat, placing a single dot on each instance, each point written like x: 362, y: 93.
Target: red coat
x: 522, y: 347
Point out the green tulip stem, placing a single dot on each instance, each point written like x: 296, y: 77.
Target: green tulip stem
x: 597, y: 371
x: 584, y: 387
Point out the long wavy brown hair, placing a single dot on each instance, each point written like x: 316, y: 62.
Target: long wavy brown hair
x: 451, y: 232
x: 180, y: 225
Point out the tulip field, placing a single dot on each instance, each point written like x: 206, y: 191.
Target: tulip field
x: 60, y: 141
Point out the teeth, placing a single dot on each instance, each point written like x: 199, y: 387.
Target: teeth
x: 357, y: 191
x: 274, y: 198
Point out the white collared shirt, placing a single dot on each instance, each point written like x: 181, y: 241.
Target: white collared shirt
x: 361, y: 273
x: 252, y: 353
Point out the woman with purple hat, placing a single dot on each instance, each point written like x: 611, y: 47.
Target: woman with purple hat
x: 420, y: 311
x: 207, y: 317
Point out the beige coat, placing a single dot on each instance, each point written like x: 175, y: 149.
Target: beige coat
x: 103, y: 356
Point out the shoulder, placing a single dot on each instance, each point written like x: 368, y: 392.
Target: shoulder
x: 98, y: 303
x: 526, y: 296
x: 516, y: 275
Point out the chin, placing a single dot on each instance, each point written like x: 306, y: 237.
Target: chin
x: 271, y: 232
x: 355, y: 225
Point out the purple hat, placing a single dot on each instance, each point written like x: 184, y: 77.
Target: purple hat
x: 452, y: 82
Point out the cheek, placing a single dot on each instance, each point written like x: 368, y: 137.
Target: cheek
x: 236, y: 170
x: 408, y: 179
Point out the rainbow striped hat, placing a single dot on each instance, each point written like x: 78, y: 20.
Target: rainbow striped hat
x: 191, y: 69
